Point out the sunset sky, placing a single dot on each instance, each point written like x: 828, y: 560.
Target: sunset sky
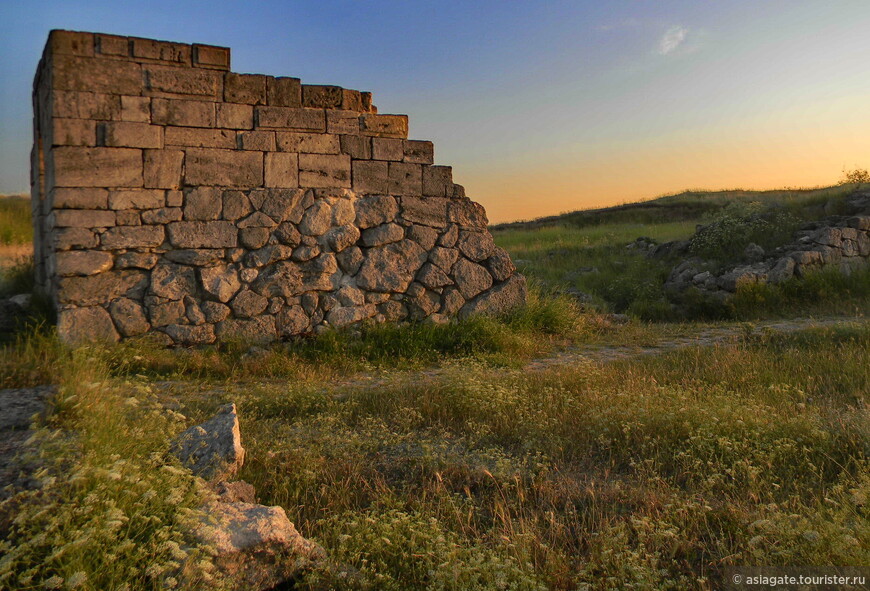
x: 540, y: 107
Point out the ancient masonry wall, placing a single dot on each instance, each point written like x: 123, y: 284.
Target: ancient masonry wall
x: 174, y: 197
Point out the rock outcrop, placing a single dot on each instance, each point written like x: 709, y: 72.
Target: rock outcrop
x: 256, y: 547
x: 175, y: 198
x: 842, y: 243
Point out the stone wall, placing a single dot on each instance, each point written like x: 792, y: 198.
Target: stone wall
x: 176, y: 198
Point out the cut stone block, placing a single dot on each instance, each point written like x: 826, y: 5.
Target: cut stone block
x: 96, y: 75
x: 384, y: 125
x: 291, y: 119
x: 185, y: 113
x: 223, y: 167
x: 139, y: 199
x: 321, y: 97
x: 309, y: 143
x: 200, y: 138
x: 73, y: 132
x: 181, y: 82
x: 284, y: 92
x: 96, y: 167
x: 218, y: 234
x: 324, y: 170
x: 235, y: 116
x: 282, y: 170
x: 249, y: 89
x: 162, y: 169
x: 210, y: 56
x: 130, y: 134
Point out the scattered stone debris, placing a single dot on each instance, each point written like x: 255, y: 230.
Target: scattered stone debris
x: 841, y: 242
x: 213, y: 450
x: 257, y: 546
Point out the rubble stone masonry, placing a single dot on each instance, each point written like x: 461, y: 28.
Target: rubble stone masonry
x: 176, y: 198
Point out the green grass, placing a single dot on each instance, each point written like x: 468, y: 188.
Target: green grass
x: 650, y: 473
x: 586, y: 252
x: 15, y: 224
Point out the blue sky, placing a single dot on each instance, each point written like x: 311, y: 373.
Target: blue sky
x: 540, y: 107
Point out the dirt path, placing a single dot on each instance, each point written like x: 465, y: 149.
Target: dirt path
x: 707, y: 337
x: 703, y: 336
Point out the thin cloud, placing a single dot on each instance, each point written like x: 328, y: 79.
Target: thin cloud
x: 672, y: 39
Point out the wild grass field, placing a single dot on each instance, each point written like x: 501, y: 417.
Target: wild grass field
x: 451, y: 457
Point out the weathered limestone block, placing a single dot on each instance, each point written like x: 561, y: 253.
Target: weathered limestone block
x: 132, y: 237
x: 384, y: 125
x: 89, y: 198
x: 161, y: 216
x: 427, y: 211
x: 162, y: 169
x: 279, y: 279
x: 437, y: 181
x: 499, y: 300
x: 129, y: 317
x: 316, y: 219
x: 418, y: 152
x: 292, y: 321
x: 212, y: 450
x: 341, y: 237
x: 290, y: 118
x: 245, y: 88
x: 388, y: 149
x: 96, y: 167
x: 86, y: 105
x: 73, y: 132
x: 263, y: 141
x: 200, y: 138
x: 444, y: 258
x: 257, y: 547
x: 135, y: 108
x: 471, y: 278
x: 96, y: 75
x: 248, y: 304
x: 102, y: 287
x: 217, y: 234
x: 423, y: 235
x: 136, y: 260
x: 185, y: 113
x: 343, y: 316
x: 321, y: 97
x: 82, y: 218
x: 282, y: 170
x: 476, y: 246
x: 324, y: 170
x: 308, y: 143
x: 214, y: 312
x: 223, y: 167
x: 284, y: 92
x: 500, y: 265
x: 220, y: 282
x: 391, y: 268
x: 405, y: 179
x: 341, y: 121
x: 173, y: 281
x: 137, y: 199
x: 182, y: 82
x: 357, y: 147
x: 371, y: 177
x: 468, y: 214
x: 80, y: 325
x: 208, y: 56
x: 383, y: 234
x: 203, y: 203
x: 432, y: 276
x: 130, y: 134
x: 82, y: 262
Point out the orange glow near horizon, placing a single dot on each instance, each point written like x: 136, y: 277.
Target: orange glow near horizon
x: 772, y: 155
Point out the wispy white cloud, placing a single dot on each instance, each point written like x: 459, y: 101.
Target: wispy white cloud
x: 673, y: 39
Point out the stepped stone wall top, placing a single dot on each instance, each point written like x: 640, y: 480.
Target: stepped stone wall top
x: 176, y: 198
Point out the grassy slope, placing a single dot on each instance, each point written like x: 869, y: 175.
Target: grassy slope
x: 586, y: 251
x: 652, y: 473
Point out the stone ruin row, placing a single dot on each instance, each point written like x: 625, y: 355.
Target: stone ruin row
x: 176, y: 198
